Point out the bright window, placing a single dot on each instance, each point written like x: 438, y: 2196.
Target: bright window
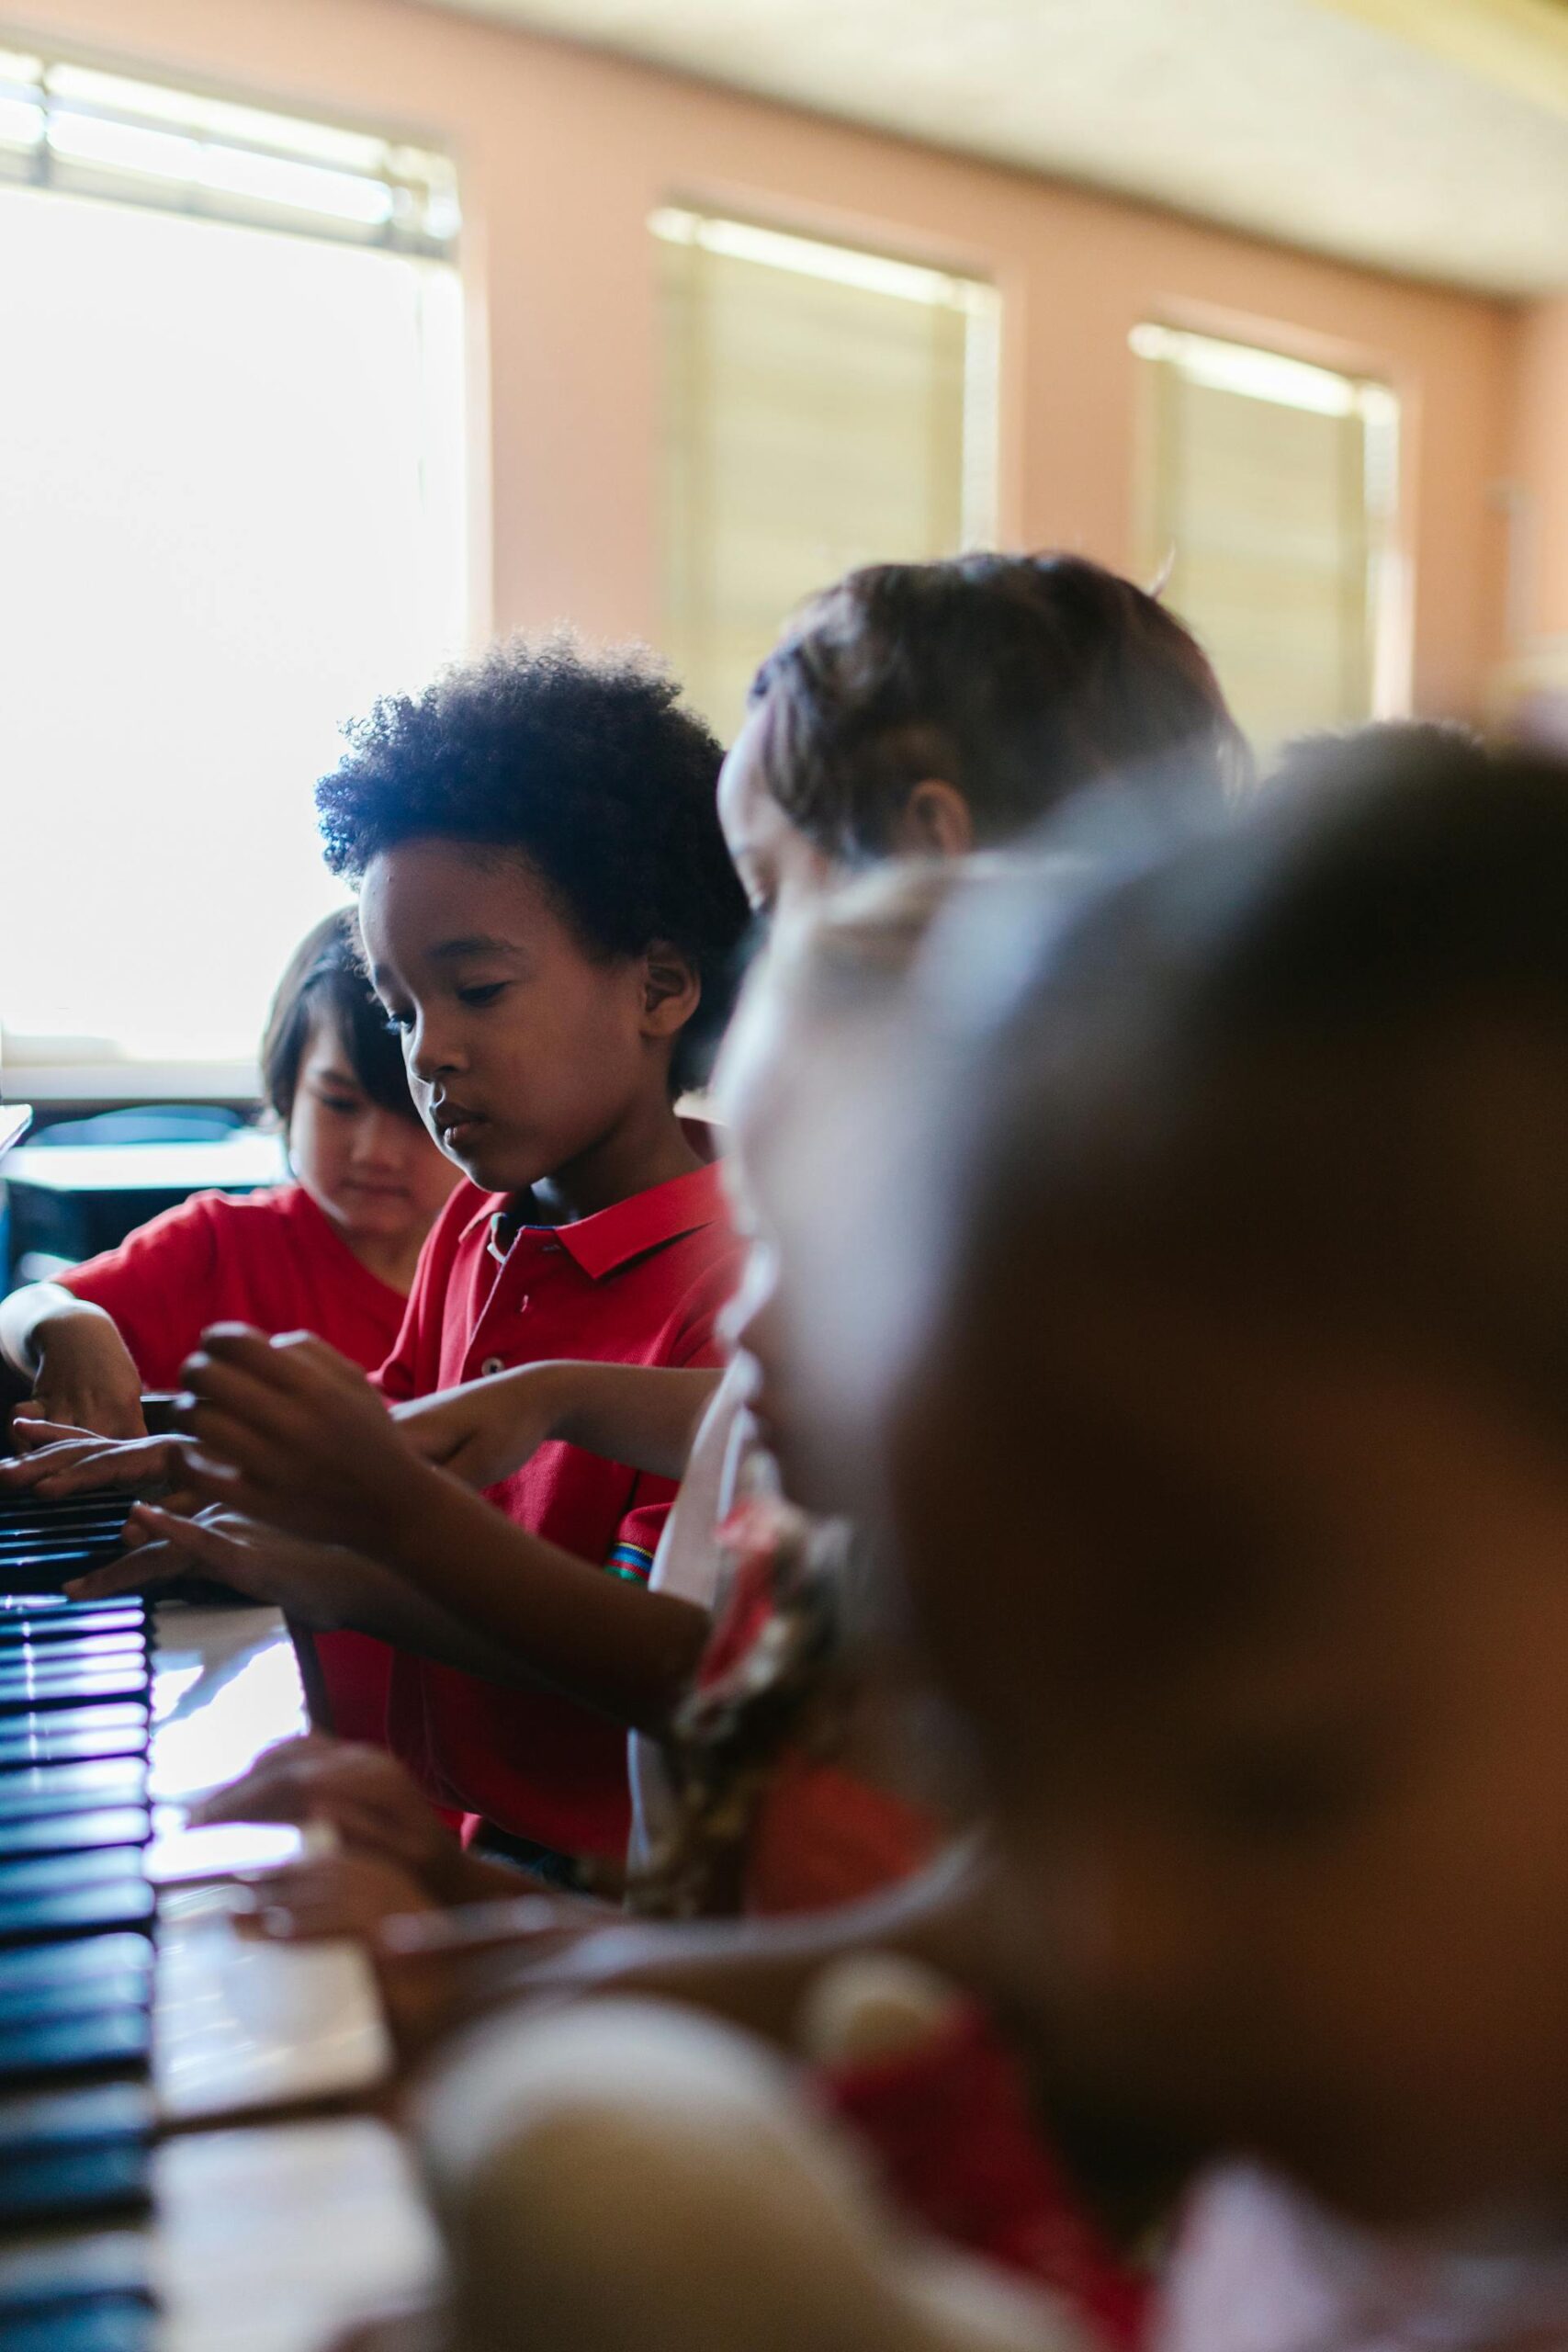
x: 231, y: 515
x: 823, y: 407
x: 1269, y: 489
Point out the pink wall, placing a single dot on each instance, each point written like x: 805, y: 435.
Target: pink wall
x: 1540, y: 470
x: 563, y: 155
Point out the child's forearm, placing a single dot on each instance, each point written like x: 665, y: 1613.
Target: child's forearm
x: 643, y: 1415
x: 542, y: 1614
x: 25, y: 1315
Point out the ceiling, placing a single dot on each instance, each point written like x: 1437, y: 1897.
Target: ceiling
x: 1424, y: 136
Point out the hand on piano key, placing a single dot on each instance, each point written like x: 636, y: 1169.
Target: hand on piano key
x: 54, y: 1461
x: 308, y: 1579
x: 333, y: 1894
x: 290, y: 1430
x: 370, y: 1800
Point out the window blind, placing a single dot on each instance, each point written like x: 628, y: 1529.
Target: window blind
x: 79, y: 129
x: 823, y: 407
x: 1270, y: 493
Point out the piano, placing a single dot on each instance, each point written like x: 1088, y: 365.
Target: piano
x: 189, y: 2158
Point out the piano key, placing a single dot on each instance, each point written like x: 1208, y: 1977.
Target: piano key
x: 38, y: 2277
x: 59, y: 1873
x: 59, y: 1604
x: 97, y: 1654
x: 68, y: 1832
x: 48, y: 1627
x: 22, y: 1694
x: 106, y: 2323
x: 103, y: 2041
x: 49, y: 2004
x: 97, y: 1960
x: 50, y: 1788
x: 85, y: 1910
x: 103, y: 2113
x: 80, y: 1736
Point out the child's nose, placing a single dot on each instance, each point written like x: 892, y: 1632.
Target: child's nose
x: 382, y: 1140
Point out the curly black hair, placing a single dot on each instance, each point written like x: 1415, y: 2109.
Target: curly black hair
x: 1017, y: 678
x: 586, y: 764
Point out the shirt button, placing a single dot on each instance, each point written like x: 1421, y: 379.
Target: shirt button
x: 491, y: 1365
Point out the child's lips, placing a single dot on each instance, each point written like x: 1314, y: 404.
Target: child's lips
x: 454, y: 1124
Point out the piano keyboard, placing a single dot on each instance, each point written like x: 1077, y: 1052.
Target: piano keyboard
x: 125, y: 2013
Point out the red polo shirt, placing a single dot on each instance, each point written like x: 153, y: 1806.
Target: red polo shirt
x: 274, y: 1260
x: 639, y: 1282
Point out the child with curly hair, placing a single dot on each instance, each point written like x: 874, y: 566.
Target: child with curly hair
x: 550, y: 924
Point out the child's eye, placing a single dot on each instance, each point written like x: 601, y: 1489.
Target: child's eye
x: 482, y: 992
x: 399, y: 1023
x: 347, y: 1104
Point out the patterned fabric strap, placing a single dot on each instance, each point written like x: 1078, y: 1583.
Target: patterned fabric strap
x: 629, y: 1560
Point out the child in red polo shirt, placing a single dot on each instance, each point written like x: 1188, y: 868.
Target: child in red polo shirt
x: 551, y: 922
x: 332, y: 1251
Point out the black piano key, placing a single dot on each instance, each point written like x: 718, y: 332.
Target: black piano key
x: 70, y: 1833
x: 22, y: 1694
x: 20, y: 1513
x: 96, y: 2115
x: 50, y: 1788
x: 59, y: 1873
x: 93, y: 1962
x: 74, y: 1736
x: 75, y: 2269
x: 103, y: 2323
x: 85, y: 1910
x: 52, y: 2004
x: 96, y: 1653
x: 56, y: 2048
x: 45, y: 1628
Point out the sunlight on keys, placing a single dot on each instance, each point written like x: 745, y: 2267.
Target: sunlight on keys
x: 242, y: 1669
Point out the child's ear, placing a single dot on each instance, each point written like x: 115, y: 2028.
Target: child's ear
x: 935, y: 822
x: 671, y: 990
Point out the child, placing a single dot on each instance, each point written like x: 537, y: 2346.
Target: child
x: 551, y: 922
x: 931, y: 708
x: 333, y: 1250
x: 1247, y: 1381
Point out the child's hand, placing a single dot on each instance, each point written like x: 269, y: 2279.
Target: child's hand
x: 288, y: 1431
x: 438, y: 1970
x: 335, y: 1894
x: 374, y: 1804
x: 484, y: 1430
x: 53, y: 1460
x: 312, y: 1581
x: 85, y: 1376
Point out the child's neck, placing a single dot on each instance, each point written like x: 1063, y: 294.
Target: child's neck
x: 647, y: 1147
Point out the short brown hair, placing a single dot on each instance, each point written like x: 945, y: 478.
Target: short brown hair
x: 1017, y: 679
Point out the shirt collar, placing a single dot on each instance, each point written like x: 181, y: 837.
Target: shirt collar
x: 611, y: 1238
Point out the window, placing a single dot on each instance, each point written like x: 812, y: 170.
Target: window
x: 823, y: 407
x: 231, y: 515
x: 1269, y: 489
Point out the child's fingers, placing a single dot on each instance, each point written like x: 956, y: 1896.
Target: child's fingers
x: 473, y: 1926
x: 212, y: 1386
x: 31, y: 1429
x: 140, y: 1571
x: 276, y: 1787
x: 194, y: 1540
x: 215, y: 1441
x: 293, y: 1363
x: 305, y: 1351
